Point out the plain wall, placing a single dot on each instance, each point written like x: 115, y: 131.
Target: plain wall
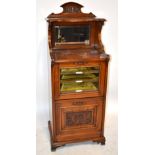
x: 101, y: 8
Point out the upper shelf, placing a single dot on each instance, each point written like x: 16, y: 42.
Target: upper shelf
x: 78, y: 55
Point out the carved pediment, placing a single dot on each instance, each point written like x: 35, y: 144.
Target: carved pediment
x: 71, y: 7
x: 71, y: 10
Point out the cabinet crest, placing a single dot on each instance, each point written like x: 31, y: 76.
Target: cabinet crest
x: 71, y: 9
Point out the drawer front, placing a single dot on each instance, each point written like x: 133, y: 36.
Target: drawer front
x: 77, y: 80
x: 78, y: 117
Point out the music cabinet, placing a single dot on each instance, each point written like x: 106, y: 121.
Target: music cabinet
x: 79, y: 68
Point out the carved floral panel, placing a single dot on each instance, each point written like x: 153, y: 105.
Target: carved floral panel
x: 79, y: 118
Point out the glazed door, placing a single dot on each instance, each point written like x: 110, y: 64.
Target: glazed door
x: 78, y: 118
x: 82, y: 80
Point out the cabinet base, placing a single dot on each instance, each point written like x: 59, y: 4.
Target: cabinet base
x: 55, y: 145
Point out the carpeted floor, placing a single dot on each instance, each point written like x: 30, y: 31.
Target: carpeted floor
x: 84, y: 148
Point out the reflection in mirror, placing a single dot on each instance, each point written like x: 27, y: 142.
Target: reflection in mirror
x: 72, y: 34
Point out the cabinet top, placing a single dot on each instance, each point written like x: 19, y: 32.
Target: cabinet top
x: 73, y: 29
x: 72, y: 13
x: 61, y: 56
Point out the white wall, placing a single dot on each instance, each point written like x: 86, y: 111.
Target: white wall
x: 101, y: 8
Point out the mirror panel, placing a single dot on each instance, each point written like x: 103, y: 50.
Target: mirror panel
x: 72, y: 34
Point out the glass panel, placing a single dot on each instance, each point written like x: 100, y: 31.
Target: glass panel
x: 72, y: 34
x: 79, y: 79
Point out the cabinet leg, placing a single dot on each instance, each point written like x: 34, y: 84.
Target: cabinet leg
x: 96, y: 141
x: 53, y: 149
x: 101, y: 141
x: 53, y: 146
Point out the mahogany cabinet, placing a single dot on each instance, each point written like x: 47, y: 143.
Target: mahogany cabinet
x: 79, y: 68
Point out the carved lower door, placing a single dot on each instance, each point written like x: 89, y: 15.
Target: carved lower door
x: 78, y: 118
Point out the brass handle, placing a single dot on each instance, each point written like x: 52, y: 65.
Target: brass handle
x: 78, y: 81
x: 77, y: 103
x: 79, y: 72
